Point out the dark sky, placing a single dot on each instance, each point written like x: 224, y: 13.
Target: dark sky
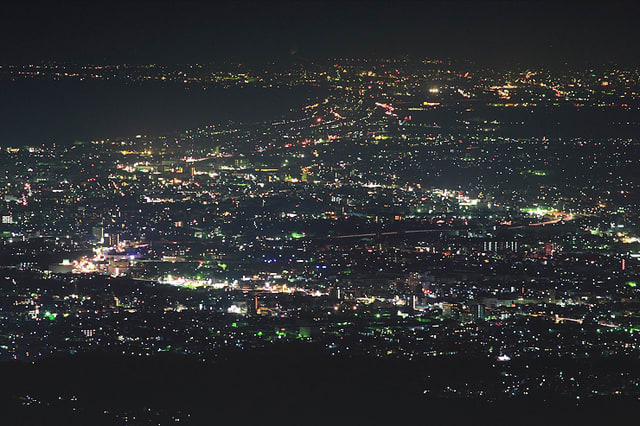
x: 531, y: 32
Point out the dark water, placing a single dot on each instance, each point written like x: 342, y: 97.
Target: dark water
x: 36, y: 112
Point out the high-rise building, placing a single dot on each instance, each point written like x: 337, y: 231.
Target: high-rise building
x: 98, y: 233
x: 114, y: 239
x: 500, y: 246
x: 478, y: 312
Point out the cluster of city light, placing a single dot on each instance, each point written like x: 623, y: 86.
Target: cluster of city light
x: 179, y: 281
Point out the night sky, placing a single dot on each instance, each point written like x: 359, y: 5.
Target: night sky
x: 495, y: 32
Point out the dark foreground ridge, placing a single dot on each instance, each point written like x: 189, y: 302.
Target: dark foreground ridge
x: 289, y: 384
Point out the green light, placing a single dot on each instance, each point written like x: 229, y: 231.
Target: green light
x: 234, y: 324
x: 536, y: 172
x: 632, y: 283
x: 305, y: 332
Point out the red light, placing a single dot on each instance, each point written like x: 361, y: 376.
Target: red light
x: 318, y: 120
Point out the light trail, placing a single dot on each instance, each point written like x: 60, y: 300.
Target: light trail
x: 560, y: 217
x: 374, y: 234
